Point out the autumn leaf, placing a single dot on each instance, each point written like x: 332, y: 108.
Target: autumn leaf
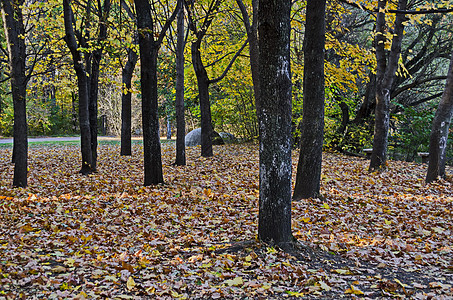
x: 130, y: 283
x: 353, y: 290
x: 237, y: 281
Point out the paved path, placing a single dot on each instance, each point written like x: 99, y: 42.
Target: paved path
x: 63, y: 139
x: 43, y: 139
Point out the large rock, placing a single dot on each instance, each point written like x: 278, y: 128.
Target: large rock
x: 193, y: 138
x: 228, y: 138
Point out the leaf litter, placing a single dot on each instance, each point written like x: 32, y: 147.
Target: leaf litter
x: 379, y: 235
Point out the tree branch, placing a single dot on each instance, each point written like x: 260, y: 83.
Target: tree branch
x: 402, y: 11
x: 229, y: 65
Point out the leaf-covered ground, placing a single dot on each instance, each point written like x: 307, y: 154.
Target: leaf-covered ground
x: 71, y: 236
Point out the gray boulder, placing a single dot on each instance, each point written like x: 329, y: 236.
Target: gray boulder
x: 228, y: 138
x: 193, y: 138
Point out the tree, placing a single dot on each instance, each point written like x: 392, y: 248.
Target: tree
x: 203, y: 80
x: 179, y: 102
x: 86, y: 62
x: 15, y: 36
x: 274, y: 117
x: 310, y: 157
x: 385, y: 75
x: 439, y: 131
x: 251, y: 29
x: 126, y: 95
x: 149, y: 48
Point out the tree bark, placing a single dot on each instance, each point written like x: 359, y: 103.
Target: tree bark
x: 251, y: 29
x: 148, y: 81
x: 274, y: 117
x: 179, y: 102
x: 439, y: 132
x: 203, y: 92
x: 126, y: 103
x: 203, y: 80
x: 14, y: 30
x: 308, y: 175
x: 385, y: 75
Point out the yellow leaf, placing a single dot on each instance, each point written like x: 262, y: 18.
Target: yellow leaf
x: 130, y: 283
x: 324, y: 286
x: 326, y: 206
x: 353, y: 290
x: 387, y: 222
x: 235, y: 282
x: 70, y: 262
x: 400, y: 283
x: 342, y: 272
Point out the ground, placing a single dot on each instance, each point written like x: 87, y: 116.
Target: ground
x: 66, y: 236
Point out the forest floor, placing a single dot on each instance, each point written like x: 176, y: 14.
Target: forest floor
x: 68, y: 236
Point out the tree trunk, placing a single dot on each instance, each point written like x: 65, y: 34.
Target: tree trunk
x: 168, y: 128
x: 14, y: 30
x: 439, y: 132
x: 179, y: 102
x: 308, y: 175
x: 274, y: 117
x: 82, y: 84
x: 203, y: 92
x: 126, y: 103
x: 385, y: 75
x: 251, y: 30
x: 74, y: 111
x: 148, y: 61
x: 94, y: 81
x: 369, y: 101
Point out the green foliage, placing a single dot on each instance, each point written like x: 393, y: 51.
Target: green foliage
x: 354, y: 137
x: 6, y: 116
x: 412, y: 128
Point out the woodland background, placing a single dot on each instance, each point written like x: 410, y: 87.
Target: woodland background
x: 349, y: 66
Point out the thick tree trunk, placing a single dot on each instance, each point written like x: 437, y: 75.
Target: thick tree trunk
x: 439, y: 131
x: 148, y: 61
x: 14, y: 30
x: 274, y: 117
x: 203, y: 92
x: 126, y: 103
x: 310, y: 157
x: 179, y: 102
x: 385, y: 75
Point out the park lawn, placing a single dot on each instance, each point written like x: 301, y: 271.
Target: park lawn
x: 105, y: 235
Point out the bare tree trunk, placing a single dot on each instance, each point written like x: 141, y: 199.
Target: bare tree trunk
x: 126, y: 103
x: 439, y: 131
x: 385, y: 75
x: 310, y: 157
x: 179, y: 102
x: 251, y: 29
x: 87, y: 81
x: 203, y: 92
x: 148, y: 71
x: 94, y: 81
x: 14, y: 30
x: 203, y: 80
x: 274, y: 117
x: 74, y: 111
